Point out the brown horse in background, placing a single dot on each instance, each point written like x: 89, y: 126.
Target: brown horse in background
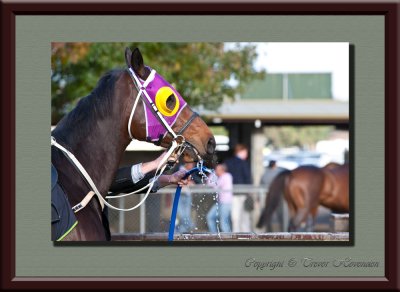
x: 305, y: 188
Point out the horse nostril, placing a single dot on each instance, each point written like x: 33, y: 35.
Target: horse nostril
x: 211, y: 145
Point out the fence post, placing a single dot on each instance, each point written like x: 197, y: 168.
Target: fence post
x: 142, y: 215
x: 121, y: 226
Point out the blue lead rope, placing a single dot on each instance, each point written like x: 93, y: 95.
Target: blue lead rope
x: 176, y: 200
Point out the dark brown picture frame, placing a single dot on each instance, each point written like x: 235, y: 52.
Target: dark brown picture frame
x: 9, y: 11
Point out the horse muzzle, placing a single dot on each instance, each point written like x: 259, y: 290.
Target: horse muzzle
x: 192, y: 154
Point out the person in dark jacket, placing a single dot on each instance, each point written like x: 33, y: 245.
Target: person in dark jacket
x: 132, y: 178
x: 239, y: 168
x: 135, y: 177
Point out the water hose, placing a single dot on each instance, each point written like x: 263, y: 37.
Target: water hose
x: 200, y: 169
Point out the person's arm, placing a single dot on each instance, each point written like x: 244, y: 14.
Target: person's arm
x: 135, y: 177
x: 124, y: 183
x: 132, y: 178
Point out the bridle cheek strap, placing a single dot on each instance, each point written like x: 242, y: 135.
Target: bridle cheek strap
x: 143, y: 92
x: 147, y: 101
x: 188, y: 122
x: 184, y: 142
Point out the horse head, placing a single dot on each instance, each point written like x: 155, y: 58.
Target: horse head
x: 160, y: 115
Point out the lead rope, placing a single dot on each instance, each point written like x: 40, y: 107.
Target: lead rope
x: 201, y: 170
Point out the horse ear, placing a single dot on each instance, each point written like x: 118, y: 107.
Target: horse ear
x: 128, y: 56
x: 137, y: 63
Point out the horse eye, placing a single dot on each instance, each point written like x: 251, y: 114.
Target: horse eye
x: 171, y: 101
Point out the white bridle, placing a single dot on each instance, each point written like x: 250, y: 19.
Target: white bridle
x: 160, y: 169
x: 178, y: 145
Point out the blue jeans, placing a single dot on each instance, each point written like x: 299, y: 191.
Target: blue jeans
x: 184, y: 213
x: 224, y: 214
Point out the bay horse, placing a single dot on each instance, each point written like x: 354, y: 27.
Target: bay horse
x: 100, y: 127
x: 305, y: 189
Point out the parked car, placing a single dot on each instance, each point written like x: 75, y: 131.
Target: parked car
x: 294, y: 160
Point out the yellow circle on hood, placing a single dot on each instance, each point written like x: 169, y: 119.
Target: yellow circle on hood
x: 161, y: 101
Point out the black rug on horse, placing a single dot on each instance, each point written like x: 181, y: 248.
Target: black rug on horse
x: 63, y: 219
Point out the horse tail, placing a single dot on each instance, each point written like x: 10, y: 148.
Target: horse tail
x: 262, y: 220
x: 273, y: 199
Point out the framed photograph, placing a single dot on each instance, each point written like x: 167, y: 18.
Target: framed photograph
x: 41, y: 38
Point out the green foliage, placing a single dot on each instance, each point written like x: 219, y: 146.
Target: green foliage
x: 219, y: 130
x: 201, y: 72
x: 301, y: 136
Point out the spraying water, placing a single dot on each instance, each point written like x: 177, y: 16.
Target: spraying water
x: 211, y: 180
x: 202, y: 170
x: 217, y: 217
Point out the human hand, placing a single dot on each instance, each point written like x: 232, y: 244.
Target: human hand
x: 177, y: 178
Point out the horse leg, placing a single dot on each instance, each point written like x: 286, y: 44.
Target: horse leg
x: 292, y: 209
x: 310, y: 223
x: 295, y: 195
x: 299, y: 221
x: 292, y: 213
x: 311, y: 219
x: 291, y: 227
x: 285, y: 216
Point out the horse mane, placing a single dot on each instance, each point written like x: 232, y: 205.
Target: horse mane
x: 97, y: 105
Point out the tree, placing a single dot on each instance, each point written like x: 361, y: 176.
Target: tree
x: 301, y: 136
x: 204, y: 73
